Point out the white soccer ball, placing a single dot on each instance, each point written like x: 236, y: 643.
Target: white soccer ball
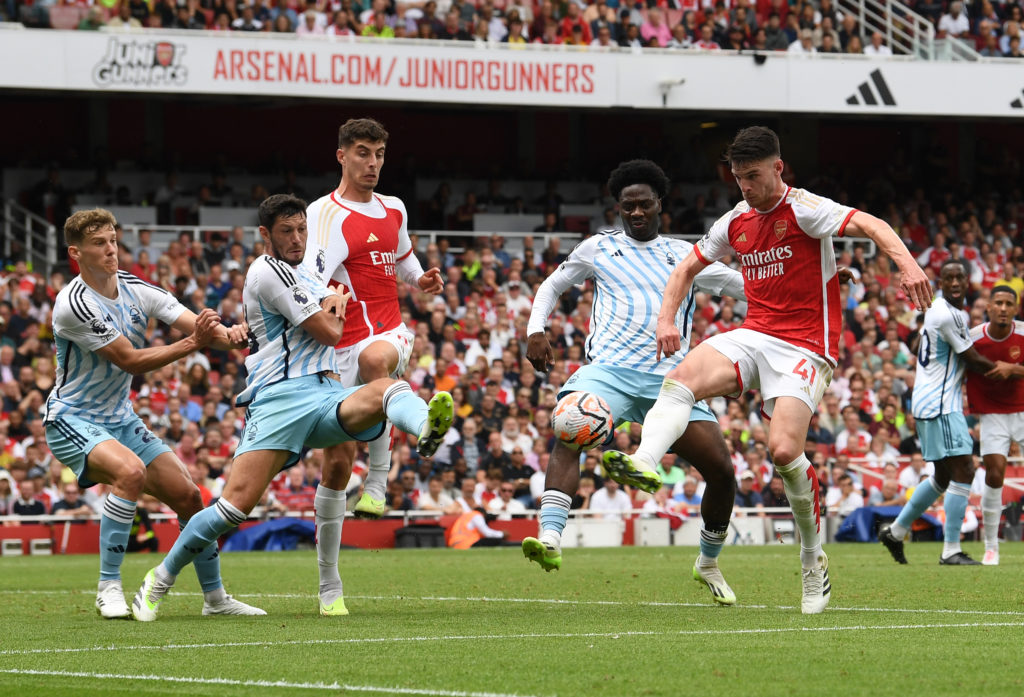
x: 582, y: 420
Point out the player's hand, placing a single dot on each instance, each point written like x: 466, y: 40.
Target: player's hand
x: 238, y: 335
x: 336, y: 303
x: 916, y: 285
x: 431, y: 281
x: 206, y: 326
x: 539, y: 353
x: 668, y: 340
x: 1002, y: 371
x: 844, y: 274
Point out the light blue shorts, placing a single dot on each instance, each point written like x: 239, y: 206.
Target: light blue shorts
x: 629, y: 393
x: 299, y: 413
x: 71, y: 439
x: 944, y: 436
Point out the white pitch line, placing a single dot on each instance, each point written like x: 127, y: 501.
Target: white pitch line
x: 506, y: 637
x: 560, y: 601
x: 257, y: 683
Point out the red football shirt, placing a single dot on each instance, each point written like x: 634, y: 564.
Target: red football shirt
x: 997, y: 396
x: 788, y: 266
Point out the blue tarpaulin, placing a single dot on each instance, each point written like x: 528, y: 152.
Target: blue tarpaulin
x: 862, y: 524
x: 272, y: 536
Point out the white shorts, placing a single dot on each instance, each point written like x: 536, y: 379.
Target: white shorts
x: 774, y: 366
x: 348, y: 358
x: 997, y: 430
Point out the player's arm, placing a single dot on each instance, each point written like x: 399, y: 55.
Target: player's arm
x: 913, y: 282
x: 125, y: 356
x: 1002, y: 370
x: 224, y: 338
x: 719, y: 279
x: 577, y: 267
x: 326, y: 324
x: 679, y: 283
x: 408, y: 265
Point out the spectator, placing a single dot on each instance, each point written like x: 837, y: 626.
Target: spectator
x: 888, y: 495
x: 707, y: 41
x: 955, y: 23
x: 247, y: 20
x: 26, y: 502
x: 124, y: 18
x: 92, y: 21
x: 452, y: 30
x: 848, y: 498
x: 73, y: 505
x: 611, y: 501
x: 379, y: 28
x: 505, y: 506
x: 853, y: 439
x: 854, y: 45
x: 804, y: 43
x: 688, y: 496
x: 655, y: 27
x: 435, y: 499
x: 876, y: 47
x: 680, y: 38
x: 746, y: 496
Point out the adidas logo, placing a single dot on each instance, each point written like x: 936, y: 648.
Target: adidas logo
x: 116, y: 549
x: 1017, y: 103
x: 742, y: 237
x: 868, y: 96
x: 371, y: 238
x: 617, y: 253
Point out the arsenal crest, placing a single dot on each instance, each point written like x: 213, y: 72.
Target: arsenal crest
x: 780, y: 228
x: 1015, y: 353
x: 165, y: 54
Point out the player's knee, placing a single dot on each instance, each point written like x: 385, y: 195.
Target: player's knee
x: 373, y: 367
x: 131, y: 478
x: 784, y: 451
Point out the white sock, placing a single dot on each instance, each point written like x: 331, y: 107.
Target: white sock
x: 801, y: 484
x: 665, y: 422
x: 380, y: 464
x: 991, y: 510
x: 330, y: 514
x: 215, y: 596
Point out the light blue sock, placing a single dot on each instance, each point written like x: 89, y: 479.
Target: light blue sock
x: 955, y: 506
x: 207, y: 564
x: 202, y: 530
x: 711, y: 541
x: 404, y: 408
x: 924, y: 496
x: 115, y: 527
x: 554, y: 511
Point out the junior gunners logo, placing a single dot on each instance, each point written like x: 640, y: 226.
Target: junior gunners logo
x: 141, y: 63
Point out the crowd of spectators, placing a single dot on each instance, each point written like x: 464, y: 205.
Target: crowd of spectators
x: 799, y: 26
x: 471, y: 342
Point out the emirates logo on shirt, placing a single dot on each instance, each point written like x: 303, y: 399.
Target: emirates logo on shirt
x: 780, y: 228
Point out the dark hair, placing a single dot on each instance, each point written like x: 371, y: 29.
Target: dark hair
x: 960, y: 262
x: 279, y: 206
x: 1002, y: 288
x: 638, y: 172
x: 80, y: 224
x: 361, y: 129
x: 752, y: 145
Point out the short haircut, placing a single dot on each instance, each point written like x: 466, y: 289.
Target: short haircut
x: 638, y: 172
x: 361, y: 129
x: 753, y: 144
x: 1002, y: 288
x: 82, y: 223
x: 962, y: 262
x: 279, y: 206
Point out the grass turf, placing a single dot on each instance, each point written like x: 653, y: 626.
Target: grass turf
x: 627, y: 621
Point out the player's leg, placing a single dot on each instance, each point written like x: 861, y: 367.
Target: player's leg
x: 705, y: 372
x: 168, y: 480
x: 961, y: 474
x: 995, y: 446
x: 703, y: 446
x: 560, y: 484
x: 931, y: 433
x: 787, y: 436
x: 95, y: 456
x: 379, y: 359
x: 330, y: 503
x: 251, y: 472
x: 367, y: 407
x: 992, y: 505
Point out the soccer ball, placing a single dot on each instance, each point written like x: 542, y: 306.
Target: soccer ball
x: 582, y: 420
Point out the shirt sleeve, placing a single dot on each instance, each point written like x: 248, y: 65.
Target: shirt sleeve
x: 715, y: 243
x: 577, y: 267
x: 953, y: 330
x: 285, y: 292
x: 719, y: 279
x: 159, y: 303
x: 77, y: 318
x: 820, y: 217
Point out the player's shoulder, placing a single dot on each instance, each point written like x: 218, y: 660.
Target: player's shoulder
x: 266, y: 266
x: 1018, y: 328
x: 978, y: 332
x: 137, y: 284
x: 317, y: 205
x: 604, y: 237
x: 391, y: 202
x: 804, y: 199
x: 726, y: 219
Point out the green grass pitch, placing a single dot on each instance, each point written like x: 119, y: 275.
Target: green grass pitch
x: 620, y: 622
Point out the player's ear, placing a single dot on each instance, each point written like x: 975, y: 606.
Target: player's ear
x: 340, y: 154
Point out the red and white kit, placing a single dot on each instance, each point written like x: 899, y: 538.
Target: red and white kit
x: 999, y: 402
x: 789, y: 341
x: 364, y: 248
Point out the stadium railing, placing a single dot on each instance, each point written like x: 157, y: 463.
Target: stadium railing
x: 37, y: 234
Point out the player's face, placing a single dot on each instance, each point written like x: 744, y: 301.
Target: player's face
x: 361, y: 163
x: 954, y: 283
x: 287, y: 240
x: 759, y: 182
x: 640, y: 208
x: 98, y: 251
x: 1001, y: 309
